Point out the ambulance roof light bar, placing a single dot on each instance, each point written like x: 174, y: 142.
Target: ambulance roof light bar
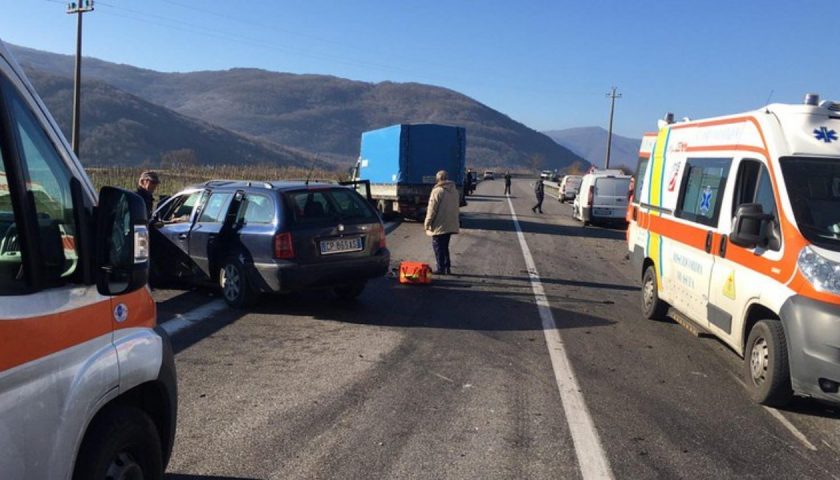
x: 668, y: 120
x: 812, y: 99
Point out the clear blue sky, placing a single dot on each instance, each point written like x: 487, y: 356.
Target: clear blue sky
x: 547, y: 64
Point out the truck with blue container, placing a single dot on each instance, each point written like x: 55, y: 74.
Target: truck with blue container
x: 401, y: 161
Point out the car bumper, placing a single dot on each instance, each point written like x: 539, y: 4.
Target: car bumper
x: 812, y: 331
x: 284, y: 276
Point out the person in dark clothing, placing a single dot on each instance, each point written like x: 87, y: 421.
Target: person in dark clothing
x: 146, y: 188
x: 507, y: 183
x: 539, y: 191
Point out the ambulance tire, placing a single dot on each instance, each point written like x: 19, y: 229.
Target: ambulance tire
x: 766, y: 364
x: 122, y: 442
x: 233, y: 280
x: 653, y: 307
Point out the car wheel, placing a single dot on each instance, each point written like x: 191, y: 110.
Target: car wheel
x: 766, y: 364
x: 350, y: 291
x: 122, y: 443
x: 233, y: 281
x: 652, y: 306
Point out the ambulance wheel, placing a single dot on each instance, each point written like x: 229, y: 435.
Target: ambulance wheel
x: 766, y: 364
x: 350, y: 291
x: 121, y: 443
x: 652, y: 306
x: 233, y: 280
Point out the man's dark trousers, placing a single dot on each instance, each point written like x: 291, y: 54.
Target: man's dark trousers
x: 440, y: 243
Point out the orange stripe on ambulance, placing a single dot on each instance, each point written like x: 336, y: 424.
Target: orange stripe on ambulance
x: 734, y: 227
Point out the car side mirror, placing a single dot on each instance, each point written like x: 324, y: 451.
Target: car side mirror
x: 122, y: 242
x: 751, y: 226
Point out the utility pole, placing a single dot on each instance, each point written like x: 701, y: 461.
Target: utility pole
x: 83, y: 6
x: 612, y: 95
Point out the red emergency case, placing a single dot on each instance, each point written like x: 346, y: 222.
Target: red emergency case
x: 416, y: 273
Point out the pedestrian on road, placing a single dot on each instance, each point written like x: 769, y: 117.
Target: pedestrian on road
x: 442, y: 220
x: 507, y: 182
x: 146, y: 186
x: 539, y: 191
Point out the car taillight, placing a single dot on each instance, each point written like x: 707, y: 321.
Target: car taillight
x: 591, y: 197
x: 381, y: 236
x: 283, y: 247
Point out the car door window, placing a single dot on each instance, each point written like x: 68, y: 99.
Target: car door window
x: 753, y: 185
x: 182, y: 207
x: 47, y: 180
x: 256, y: 209
x: 215, y: 208
x: 12, y: 250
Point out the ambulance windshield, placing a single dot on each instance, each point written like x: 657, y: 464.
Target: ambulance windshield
x: 813, y: 186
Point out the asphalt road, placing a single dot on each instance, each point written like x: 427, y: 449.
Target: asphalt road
x: 455, y: 380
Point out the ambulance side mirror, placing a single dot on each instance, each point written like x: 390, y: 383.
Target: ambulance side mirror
x: 751, y: 226
x: 122, y: 242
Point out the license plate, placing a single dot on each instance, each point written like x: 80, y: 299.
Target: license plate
x: 341, y: 245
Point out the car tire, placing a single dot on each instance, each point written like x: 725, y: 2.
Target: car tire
x: 653, y: 307
x: 233, y: 281
x: 766, y: 364
x: 122, y: 442
x: 350, y: 291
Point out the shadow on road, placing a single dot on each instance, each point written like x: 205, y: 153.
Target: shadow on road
x: 473, y: 221
x: 181, y: 476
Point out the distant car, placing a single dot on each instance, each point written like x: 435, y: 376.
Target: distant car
x: 489, y: 175
x: 249, y: 238
x: 602, y: 198
x: 569, y: 187
x: 546, y: 175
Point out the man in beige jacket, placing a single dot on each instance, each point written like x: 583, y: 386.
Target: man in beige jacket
x: 442, y: 219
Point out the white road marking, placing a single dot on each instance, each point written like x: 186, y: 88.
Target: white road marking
x: 193, y: 317
x: 795, y: 431
x: 590, y: 454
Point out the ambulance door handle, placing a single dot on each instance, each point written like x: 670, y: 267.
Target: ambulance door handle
x: 709, y: 236
x: 723, y: 242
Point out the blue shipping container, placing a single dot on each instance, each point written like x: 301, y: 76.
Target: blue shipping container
x: 413, y: 154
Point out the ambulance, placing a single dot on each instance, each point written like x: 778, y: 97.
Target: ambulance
x: 735, y: 232
x: 87, y: 378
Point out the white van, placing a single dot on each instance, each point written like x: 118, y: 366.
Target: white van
x: 87, y: 378
x: 602, y: 197
x: 735, y: 231
x: 569, y: 187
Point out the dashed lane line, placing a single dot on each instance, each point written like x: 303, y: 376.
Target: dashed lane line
x: 592, y: 459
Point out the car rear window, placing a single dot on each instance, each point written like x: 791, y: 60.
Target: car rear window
x: 334, y: 204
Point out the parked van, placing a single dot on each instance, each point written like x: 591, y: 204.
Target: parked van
x: 87, y: 379
x: 735, y: 231
x: 602, y: 197
x: 569, y: 187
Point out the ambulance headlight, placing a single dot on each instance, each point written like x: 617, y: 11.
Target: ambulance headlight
x: 823, y: 273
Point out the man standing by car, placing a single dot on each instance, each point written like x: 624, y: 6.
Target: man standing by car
x: 539, y: 191
x: 146, y: 186
x: 442, y: 220
x: 507, y: 182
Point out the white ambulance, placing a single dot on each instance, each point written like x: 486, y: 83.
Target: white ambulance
x: 87, y: 378
x: 735, y: 231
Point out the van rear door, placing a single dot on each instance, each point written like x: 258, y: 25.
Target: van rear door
x: 610, y: 199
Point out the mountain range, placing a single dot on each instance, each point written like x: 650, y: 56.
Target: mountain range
x: 591, y: 144
x: 294, y: 116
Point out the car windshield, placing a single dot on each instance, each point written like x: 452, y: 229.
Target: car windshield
x: 813, y: 186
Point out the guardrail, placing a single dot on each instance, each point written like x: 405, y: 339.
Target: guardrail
x: 552, y: 188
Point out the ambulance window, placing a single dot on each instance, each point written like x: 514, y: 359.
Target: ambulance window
x: 754, y: 185
x: 11, y: 248
x: 640, y: 179
x: 48, y: 184
x: 702, y: 189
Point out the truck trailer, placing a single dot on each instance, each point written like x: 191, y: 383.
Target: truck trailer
x: 401, y: 161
